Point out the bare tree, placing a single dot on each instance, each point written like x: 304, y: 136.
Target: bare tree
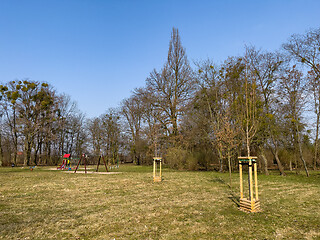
x: 132, y: 109
x: 314, y: 88
x: 172, y: 86
x: 292, y: 94
x: 10, y: 94
x: 305, y: 49
x: 95, y: 128
x: 112, y: 130
x: 265, y: 67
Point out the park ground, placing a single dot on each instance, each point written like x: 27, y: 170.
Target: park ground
x: 45, y: 204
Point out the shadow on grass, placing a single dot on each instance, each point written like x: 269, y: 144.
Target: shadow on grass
x: 233, y: 196
x: 218, y: 180
x: 235, y: 199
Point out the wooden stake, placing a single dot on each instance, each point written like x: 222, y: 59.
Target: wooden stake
x: 249, y: 204
x: 241, y: 186
x: 250, y: 180
x: 256, y: 180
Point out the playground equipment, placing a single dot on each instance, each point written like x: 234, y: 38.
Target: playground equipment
x: 65, y: 162
x: 115, y: 166
x: 84, y: 161
x: 251, y: 204
x: 104, y: 161
x: 157, y: 175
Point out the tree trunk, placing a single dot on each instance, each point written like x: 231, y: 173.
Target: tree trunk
x: 27, y: 152
x: 40, y: 153
x: 220, y: 161
x: 1, y: 151
x: 174, y: 126
x: 300, y: 152
x: 296, y: 162
x: 229, y: 166
x: 36, y: 157
x: 49, y: 154
x: 138, y: 160
x: 247, y: 139
x: 315, y: 158
x: 15, y: 137
x: 15, y: 152
x: 276, y: 155
x: 265, y: 161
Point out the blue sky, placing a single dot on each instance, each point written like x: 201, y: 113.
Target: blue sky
x: 98, y: 51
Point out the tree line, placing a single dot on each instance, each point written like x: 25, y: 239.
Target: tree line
x: 198, y: 115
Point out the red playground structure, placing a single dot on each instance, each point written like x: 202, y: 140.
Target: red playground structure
x: 65, y: 162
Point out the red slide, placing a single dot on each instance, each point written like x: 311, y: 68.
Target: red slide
x: 63, y: 165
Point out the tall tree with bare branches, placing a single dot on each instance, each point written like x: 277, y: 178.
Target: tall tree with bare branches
x: 172, y: 85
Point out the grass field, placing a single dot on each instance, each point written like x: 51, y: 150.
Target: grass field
x: 43, y: 204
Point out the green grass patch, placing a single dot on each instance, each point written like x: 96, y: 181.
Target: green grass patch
x: 44, y: 204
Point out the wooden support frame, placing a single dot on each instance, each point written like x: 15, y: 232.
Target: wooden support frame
x: 157, y: 174
x: 84, y: 158
x: 252, y: 203
x: 104, y: 161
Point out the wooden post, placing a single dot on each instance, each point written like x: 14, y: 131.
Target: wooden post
x: 105, y: 164
x: 154, y: 168
x: 85, y: 164
x: 78, y: 164
x: 241, y: 186
x: 104, y: 161
x: 250, y: 180
x: 98, y: 163
x: 156, y: 172
x: 249, y: 204
x: 256, y: 180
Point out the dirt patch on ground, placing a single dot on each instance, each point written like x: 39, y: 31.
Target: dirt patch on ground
x: 93, y: 172
x: 82, y: 171
x: 52, y: 169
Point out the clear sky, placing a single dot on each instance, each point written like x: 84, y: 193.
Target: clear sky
x: 98, y: 51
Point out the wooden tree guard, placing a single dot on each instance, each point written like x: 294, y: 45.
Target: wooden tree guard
x: 157, y: 174
x: 104, y: 161
x: 251, y: 204
x: 83, y: 156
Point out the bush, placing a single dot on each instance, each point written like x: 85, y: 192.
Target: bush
x: 181, y: 159
x: 192, y: 162
x: 176, y: 158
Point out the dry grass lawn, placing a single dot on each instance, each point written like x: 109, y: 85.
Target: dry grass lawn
x: 44, y: 204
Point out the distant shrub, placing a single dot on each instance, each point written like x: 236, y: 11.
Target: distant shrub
x: 176, y: 158
x: 181, y: 159
x: 192, y: 162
